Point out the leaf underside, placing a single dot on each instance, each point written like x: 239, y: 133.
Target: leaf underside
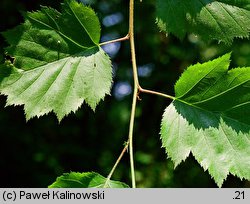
x: 56, y: 68
x: 221, y: 20
x: 210, y: 119
x: 85, y: 180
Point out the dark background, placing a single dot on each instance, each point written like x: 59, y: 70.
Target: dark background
x: 34, y: 153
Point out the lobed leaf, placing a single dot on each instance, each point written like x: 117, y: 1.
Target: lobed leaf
x: 210, y: 119
x: 58, y: 63
x: 85, y: 180
x: 221, y: 20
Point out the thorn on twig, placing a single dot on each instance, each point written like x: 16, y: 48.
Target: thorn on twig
x: 138, y: 95
x: 125, y: 144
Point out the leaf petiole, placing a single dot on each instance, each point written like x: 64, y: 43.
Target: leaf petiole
x: 115, y: 40
x: 126, y: 144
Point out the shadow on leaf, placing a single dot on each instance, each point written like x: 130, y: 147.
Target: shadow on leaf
x: 203, y: 119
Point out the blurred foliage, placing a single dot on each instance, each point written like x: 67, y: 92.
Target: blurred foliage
x: 34, y: 153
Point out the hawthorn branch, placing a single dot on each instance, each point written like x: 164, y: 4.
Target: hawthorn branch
x: 136, y: 86
x: 136, y: 92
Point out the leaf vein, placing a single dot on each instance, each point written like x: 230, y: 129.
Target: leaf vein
x: 80, y: 23
x: 198, y: 81
x: 51, y: 84
x: 229, y: 14
x: 61, y: 33
x: 72, y: 180
x: 230, y: 144
x: 69, y: 87
x: 30, y: 84
x: 221, y: 93
x: 214, y: 17
x: 57, y: 26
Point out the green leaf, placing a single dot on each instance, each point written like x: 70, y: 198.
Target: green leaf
x: 58, y: 63
x: 85, y: 180
x: 210, y: 119
x: 222, y: 20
